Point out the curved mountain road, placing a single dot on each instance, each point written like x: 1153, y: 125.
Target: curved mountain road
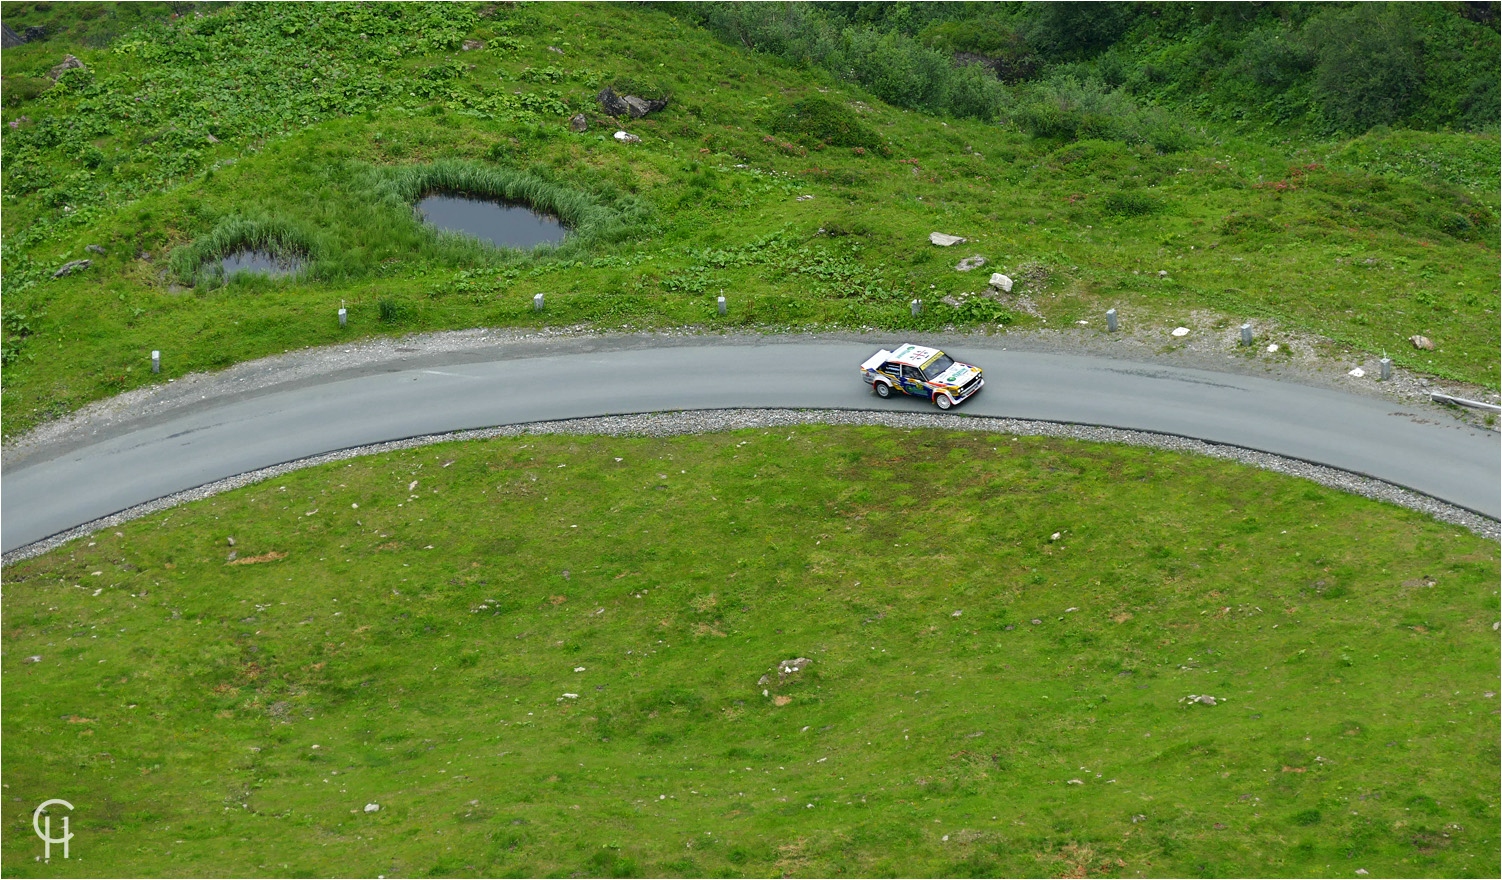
x: 45, y: 494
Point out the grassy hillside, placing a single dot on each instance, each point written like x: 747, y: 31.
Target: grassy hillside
x: 550, y: 656
x: 309, y: 128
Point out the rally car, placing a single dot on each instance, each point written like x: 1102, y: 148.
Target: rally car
x: 921, y: 372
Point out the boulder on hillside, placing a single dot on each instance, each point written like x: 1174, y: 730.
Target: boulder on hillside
x: 1001, y: 282
x: 628, y: 105
x: 70, y: 268
x: 943, y: 240
x: 69, y: 63
x: 577, y: 123
x: 1421, y: 342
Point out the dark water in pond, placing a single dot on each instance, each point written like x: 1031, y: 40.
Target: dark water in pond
x: 260, y: 263
x: 500, y: 224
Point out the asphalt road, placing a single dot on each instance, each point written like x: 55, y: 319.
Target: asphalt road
x: 1418, y: 449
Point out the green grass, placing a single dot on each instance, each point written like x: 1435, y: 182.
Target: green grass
x: 323, y: 135
x: 418, y: 617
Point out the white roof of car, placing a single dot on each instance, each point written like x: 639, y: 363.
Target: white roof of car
x: 914, y: 355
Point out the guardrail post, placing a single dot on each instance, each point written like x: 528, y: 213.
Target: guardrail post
x: 156, y: 362
x: 1386, y: 371
x: 1110, y: 320
x: 1246, y: 334
x: 537, y: 303
x: 720, y: 304
x: 916, y: 306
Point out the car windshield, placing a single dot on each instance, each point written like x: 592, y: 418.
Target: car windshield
x: 936, y: 368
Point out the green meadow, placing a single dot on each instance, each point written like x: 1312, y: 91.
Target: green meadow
x: 565, y: 656
x: 804, y: 194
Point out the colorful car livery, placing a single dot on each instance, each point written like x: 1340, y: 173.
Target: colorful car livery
x: 921, y: 372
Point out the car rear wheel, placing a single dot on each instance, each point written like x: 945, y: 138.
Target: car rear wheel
x: 883, y: 390
x: 943, y: 400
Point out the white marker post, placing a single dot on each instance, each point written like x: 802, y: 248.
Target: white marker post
x: 917, y: 306
x: 1110, y: 320
x: 720, y: 304
x: 537, y: 303
x: 1246, y: 334
x: 156, y: 362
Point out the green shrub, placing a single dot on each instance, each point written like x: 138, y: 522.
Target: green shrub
x: 18, y: 90
x: 390, y: 311
x: 815, y: 120
x: 1130, y: 203
x: 1370, y: 65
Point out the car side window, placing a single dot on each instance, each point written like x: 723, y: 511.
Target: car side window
x: 911, y: 372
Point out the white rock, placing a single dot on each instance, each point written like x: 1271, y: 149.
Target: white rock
x: 1180, y: 331
x: 1076, y: 782
x: 1271, y: 349
x: 1001, y: 282
x: 1055, y: 536
x: 581, y: 668
x: 569, y: 697
x: 371, y: 808
x: 1162, y: 273
x: 1358, y: 373
x: 627, y: 137
x: 943, y: 240
x: 957, y: 614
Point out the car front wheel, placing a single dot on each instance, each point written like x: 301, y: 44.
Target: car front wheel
x: 943, y: 400
x: 883, y: 390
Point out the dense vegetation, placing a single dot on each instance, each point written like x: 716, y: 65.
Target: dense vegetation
x: 786, y: 174
x: 1329, y: 68
x: 555, y: 656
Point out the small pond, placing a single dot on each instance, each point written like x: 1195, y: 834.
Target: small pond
x: 501, y: 224
x: 260, y: 263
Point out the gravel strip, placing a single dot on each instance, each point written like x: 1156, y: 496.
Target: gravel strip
x: 671, y: 424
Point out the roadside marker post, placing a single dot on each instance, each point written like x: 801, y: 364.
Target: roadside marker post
x: 537, y: 303
x: 916, y: 306
x: 1110, y: 320
x: 156, y: 361
x: 720, y: 304
x: 1246, y: 334
x: 1386, y: 371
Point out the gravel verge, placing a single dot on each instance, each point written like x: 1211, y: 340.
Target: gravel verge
x: 670, y: 424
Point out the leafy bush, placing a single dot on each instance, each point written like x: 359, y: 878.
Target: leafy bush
x: 20, y: 89
x: 1071, y: 109
x: 895, y: 66
x: 390, y: 311
x: 814, y: 120
x: 1130, y: 203
x: 1370, y: 65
